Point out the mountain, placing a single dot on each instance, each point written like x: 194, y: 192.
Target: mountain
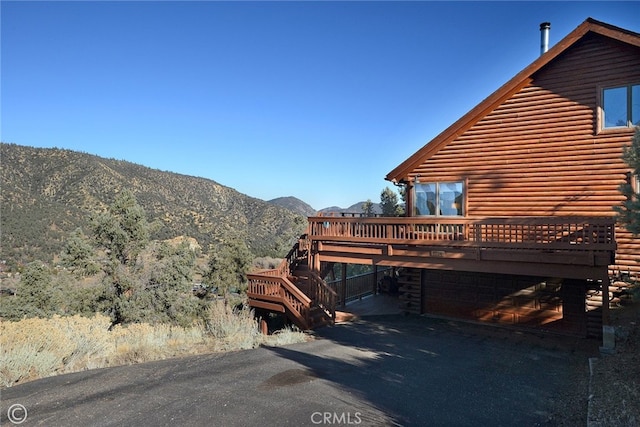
x: 294, y: 204
x: 47, y: 193
x: 355, y: 208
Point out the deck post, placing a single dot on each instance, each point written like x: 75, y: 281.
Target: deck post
x: 375, y: 280
x: 343, y: 285
x: 605, y: 300
x: 316, y: 259
x: 409, y: 196
x: 608, y: 331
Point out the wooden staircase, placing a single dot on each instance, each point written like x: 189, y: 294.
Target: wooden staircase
x: 295, y: 290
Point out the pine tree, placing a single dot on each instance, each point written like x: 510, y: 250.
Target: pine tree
x: 389, y: 203
x: 78, y: 255
x: 35, y: 291
x: 229, y: 263
x: 367, y: 208
x: 629, y: 211
x: 123, y: 232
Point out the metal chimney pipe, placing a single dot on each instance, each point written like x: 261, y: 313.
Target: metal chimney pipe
x: 544, y: 37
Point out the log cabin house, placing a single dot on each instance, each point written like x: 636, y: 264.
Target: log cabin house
x: 509, y: 214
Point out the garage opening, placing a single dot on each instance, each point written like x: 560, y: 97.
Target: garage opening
x: 550, y: 304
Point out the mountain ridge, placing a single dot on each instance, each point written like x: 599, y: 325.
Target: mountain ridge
x: 49, y: 192
x: 294, y: 204
x: 356, y: 208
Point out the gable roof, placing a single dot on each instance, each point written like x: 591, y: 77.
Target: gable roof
x: 520, y: 80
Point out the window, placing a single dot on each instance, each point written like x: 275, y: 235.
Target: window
x: 621, y: 106
x: 439, y: 199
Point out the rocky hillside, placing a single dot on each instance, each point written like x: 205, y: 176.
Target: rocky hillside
x: 47, y: 193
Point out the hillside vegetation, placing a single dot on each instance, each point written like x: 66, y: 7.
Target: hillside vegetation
x: 114, y: 294
x: 48, y: 193
x: 294, y: 204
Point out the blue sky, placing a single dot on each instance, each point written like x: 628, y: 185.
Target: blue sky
x: 317, y: 100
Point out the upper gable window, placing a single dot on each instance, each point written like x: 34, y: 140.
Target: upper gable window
x: 621, y: 106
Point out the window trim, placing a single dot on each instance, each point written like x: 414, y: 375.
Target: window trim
x: 600, y: 109
x: 437, y: 184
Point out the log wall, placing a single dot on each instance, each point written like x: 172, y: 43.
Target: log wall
x: 541, y: 151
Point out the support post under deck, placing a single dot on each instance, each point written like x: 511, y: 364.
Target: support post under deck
x: 608, y: 331
x: 343, y: 285
x: 375, y: 280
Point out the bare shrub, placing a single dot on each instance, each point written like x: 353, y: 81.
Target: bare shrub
x: 37, y: 348
x: 266, y: 263
x: 231, y: 327
x: 142, y: 342
x: 287, y: 335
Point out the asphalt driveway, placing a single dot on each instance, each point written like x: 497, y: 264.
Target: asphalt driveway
x: 390, y: 370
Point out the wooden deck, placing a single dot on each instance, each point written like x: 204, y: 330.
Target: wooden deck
x: 546, y: 248
x: 571, y: 247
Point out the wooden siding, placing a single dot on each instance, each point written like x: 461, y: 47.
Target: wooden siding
x: 540, y: 152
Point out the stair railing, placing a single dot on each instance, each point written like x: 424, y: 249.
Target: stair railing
x: 277, y: 289
x: 297, y: 302
x: 325, y: 297
x: 275, y: 282
x: 288, y: 264
x: 296, y: 255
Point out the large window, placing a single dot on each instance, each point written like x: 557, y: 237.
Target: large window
x: 621, y: 106
x: 439, y: 199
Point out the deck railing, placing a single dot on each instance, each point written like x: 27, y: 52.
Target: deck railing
x: 562, y: 233
x: 357, y: 287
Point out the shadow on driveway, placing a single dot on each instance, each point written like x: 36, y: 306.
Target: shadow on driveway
x: 383, y: 371
x: 427, y: 371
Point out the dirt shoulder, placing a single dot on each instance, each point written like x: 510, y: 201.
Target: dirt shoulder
x: 615, y: 381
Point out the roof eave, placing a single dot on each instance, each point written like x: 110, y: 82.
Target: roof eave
x: 401, y: 173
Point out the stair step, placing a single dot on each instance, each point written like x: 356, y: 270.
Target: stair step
x: 318, y: 317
